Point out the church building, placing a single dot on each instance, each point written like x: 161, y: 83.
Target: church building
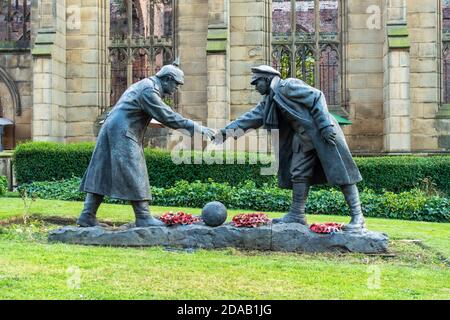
x: 383, y: 65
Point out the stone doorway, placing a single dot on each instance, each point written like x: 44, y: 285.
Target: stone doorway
x: 7, y: 110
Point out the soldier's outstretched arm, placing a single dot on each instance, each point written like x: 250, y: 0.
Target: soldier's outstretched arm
x: 154, y: 106
x: 252, y: 119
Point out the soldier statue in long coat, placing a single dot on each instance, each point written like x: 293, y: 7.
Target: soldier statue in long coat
x: 312, y: 147
x: 117, y: 168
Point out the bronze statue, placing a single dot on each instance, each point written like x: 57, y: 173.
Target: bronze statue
x: 312, y: 147
x: 117, y: 168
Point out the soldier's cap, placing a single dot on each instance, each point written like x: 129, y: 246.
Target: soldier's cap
x: 263, y: 71
x: 172, y: 70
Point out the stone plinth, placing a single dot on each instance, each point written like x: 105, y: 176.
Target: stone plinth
x: 279, y: 237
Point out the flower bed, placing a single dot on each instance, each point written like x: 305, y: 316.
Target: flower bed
x: 250, y: 220
x: 330, y: 227
x: 171, y: 218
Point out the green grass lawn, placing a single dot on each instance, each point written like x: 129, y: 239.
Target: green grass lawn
x: 31, y: 268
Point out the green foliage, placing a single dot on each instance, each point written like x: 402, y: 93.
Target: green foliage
x: 403, y: 173
x: 285, y: 66
x: 408, y: 205
x: 3, y: 185
x: 44, y: 161
x: 245, y: 196
x: 66, y: 189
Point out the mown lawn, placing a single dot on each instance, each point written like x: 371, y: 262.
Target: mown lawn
x: 31, y: 268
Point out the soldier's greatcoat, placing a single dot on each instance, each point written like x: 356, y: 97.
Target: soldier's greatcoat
x: 117, y: 167
x: 299, y: 112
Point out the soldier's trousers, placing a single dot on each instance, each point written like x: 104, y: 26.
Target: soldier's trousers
x: 302, y: 165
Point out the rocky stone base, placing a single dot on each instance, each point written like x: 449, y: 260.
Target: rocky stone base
x: 292, y: 237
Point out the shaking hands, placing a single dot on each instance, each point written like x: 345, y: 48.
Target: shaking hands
x: 217, y: 136
x: 208, y: 133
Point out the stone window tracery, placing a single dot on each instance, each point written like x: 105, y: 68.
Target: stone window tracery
x: 306, y: 43
x: 142, y: 41
x: 15, y: 23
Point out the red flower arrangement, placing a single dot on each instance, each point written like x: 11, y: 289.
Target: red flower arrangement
x: 330, y: 227
x: 171, y: 218
x: 250, y: 220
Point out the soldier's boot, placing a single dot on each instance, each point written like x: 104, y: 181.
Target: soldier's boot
x: 88, y: 215
x: 143, y: 217
x: 297, y: 212
x: 351, y: 195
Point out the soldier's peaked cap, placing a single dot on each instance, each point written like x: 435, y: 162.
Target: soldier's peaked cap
x: 264, y: 72
x: 172, y: 70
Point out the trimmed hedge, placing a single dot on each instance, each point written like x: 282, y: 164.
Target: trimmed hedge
x: 44, y: 161
x: 410, y: 205
x: 3, y: 185
x: 47, y: 161
x: 403, y: 173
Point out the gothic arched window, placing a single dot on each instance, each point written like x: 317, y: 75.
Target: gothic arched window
x: 142, y: 41
x: 306, y: 43
x: 15, y: 23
